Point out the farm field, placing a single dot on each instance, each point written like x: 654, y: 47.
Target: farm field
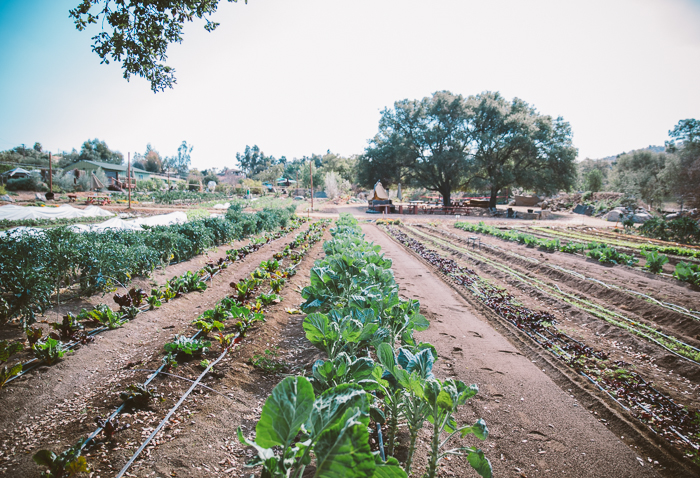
x: 544, y: 418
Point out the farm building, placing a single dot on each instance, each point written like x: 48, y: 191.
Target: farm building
x: 111, y: 170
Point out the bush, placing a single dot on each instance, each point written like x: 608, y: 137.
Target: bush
x: 586, y: 196
x: 31, y: 183
x: 64, y: 182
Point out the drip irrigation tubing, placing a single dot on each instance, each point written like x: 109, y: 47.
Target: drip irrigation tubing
x: 170, y: 414
x: 600, y: 312
x: 35, y: 362
x: 672, y: 409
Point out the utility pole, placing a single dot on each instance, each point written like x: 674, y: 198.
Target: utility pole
x: 50, y: 175
x: 128, y: 177
x: 311, y: 175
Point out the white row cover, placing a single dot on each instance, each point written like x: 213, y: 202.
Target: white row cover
x: 15, y: 213
x: 222, y: 206
x: 114, y: 223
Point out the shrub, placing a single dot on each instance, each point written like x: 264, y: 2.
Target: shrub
x: 31, y: 183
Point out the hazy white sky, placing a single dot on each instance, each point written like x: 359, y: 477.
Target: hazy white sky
x: 303, y: 76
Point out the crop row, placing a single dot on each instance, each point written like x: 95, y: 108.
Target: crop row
x: 603, y: 253
x: 668, y: 342
x: 70, y: 332
x: 375, y: 371
x: 36, y: 266
x: 583, y: 237
x: 239, y: 314
x: 654, y: 409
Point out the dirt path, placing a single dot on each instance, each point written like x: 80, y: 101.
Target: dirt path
x: 536, y: 428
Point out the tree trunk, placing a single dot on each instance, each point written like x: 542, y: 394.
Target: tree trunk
x: 494, y: 194
x: 446, y: 197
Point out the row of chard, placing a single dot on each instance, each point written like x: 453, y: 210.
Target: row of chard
x: 70, y: 332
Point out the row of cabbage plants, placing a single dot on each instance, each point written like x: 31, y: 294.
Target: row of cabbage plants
x: 375, y: 371
x: 37, y: 266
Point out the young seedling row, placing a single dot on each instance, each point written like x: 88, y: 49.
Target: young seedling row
x: 656, y: 410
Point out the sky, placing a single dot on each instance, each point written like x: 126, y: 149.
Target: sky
x: 298, y: 77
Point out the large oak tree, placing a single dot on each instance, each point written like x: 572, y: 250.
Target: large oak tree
x: 447, y: 142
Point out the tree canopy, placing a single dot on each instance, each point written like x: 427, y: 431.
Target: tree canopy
x: 137, y: 33
x: 682, y: 171
x: 181, y: 162
x: 96, y: 150
x: 447, y: 142
x: 254, y: 161
x: 641, y: 174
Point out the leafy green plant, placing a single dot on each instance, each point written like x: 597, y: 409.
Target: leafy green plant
x: 103, y: 314
x: 343, y: 369
x: 687, y: 272
x: 573, y: 248
x: 8, y: 349
x: 49, y: 350
x: 551, y: 245
x: 332, y: 428
x: 443, y: 399
x: 610, y: 255
x: 269, y: 299
x: 66, y: 465
x: 333, y: 337
x: 137, y: 396
x: 207, y: 327
x: 68, y: 326
x: 7, y: 373
x: 130, y: 312
x: 226, y: 340
x: 153, y: 301
x: 170, y: 360
x: 268, y: 362
x: 186, y: 346
x: 33, y: 335
x: 654, y: 261
x: 277, y: 284
x: 135, y: 297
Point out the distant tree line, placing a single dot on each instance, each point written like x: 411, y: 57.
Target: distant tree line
x: 261, y: 167
x: 653, y: 174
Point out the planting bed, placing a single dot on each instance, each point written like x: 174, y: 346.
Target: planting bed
x: 525, y: 349
x: 615, y: 359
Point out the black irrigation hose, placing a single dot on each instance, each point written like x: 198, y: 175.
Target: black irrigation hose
x: 170, y: 414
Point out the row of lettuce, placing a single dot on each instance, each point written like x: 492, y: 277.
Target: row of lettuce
x: 37, y: 266
x: 606, y: 254
x: 375, y: 372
